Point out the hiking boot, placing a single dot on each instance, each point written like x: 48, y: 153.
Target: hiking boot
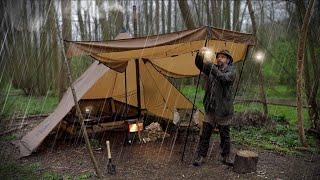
x: 198, y: 161
x: 227, y: 160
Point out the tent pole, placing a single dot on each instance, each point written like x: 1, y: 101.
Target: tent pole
x: 188, y: 130
x: 237, y: 87
x: 126, y: 92
x: 138, y: 86
x: 137, y: 62
x: 193, y: 104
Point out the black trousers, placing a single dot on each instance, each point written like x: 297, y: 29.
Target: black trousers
x: 204, y: 142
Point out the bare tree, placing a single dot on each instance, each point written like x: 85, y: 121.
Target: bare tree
x: 208, y: 12
x: 145, y: 10
x: 175, y: 16
x: 82, y: 25
x: 163, y: 17
x: 300, y: 61
x: 260, y: 75
x: 157, y: 17
x: 103, y: 20
x: 219, y: 13
x: 216, y: 13
x: 116, y: 19
x: 186, y: 14
x: 150, y: 18
x: 66, y: 34
x: 236, y: 15
x: 169, y: 17
x: 226, y: 14
x: 311, y: 84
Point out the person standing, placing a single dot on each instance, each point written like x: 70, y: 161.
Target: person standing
x: 218, y: 101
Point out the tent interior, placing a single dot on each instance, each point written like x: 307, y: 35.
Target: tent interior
x: 129, y: 77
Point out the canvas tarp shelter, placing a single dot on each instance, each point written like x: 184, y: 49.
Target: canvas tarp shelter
x: 169, y: 54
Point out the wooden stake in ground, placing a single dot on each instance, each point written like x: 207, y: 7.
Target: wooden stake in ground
x: 245, y: 161
x: 300, y: 59
x: 83, y: 127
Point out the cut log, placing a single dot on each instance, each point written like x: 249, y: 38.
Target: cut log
x: 245, y: 161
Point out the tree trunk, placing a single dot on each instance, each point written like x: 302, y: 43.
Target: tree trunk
x: 82, y: 25
x: 236, y: 15
x: 208, y: 13
x: 66, y: 34
x: 103, y: 21
x: 127, y: 16
x: 300, y: 59
x: 261, y: 3
x: 197, y: 7
x: 215, y: 16
x: 260, y: 74
x: 310, y: 90
x: 219, y: 11
x: 135, y: 21
x: 56, y: 58
x: 145, y: 9
x: 157, y: 17
x: 242, y: 16
x: 139, y: 22
x: 186, y: 14
x: 245, y: 161
x: 163, y: 21
x: 226, y: 14
x: 169, y: 17
x: 175, y: 16
x: 150, y: 18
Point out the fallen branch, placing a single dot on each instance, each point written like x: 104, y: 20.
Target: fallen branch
x: 237, y: 101
x: 313, y: 131
x: 32, y: 116
x: 11, y: 130
x: 22, y: 124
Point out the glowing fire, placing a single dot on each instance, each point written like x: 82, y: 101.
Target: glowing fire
x: 135, y: 127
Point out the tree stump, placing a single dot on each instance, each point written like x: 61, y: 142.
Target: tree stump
x: 245, y: 161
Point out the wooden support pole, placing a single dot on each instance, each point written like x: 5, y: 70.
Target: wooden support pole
x: 81, y: 119
x: 137, y: 63
x: 138, y: 87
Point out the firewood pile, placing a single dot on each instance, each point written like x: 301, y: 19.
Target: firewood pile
x: 153, y: 132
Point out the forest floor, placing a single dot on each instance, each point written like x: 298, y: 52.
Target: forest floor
x: 66, y: 158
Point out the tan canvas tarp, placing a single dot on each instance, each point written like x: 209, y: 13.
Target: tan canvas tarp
x: 170, y: 54
x: 115, y: 54
x: 158, y: 96
x: 33, y: 139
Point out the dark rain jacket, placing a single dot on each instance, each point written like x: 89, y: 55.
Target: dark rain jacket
x: 218, y: 99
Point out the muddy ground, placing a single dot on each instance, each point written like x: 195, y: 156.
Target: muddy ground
x: 153, y: 160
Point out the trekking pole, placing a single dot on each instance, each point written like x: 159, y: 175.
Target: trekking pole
x: 194, y: 100
x: 193, y: 104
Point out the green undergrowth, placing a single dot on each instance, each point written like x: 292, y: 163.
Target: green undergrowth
x: 13, y: 170
x: 283, y: 138
x: 17, y: 104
